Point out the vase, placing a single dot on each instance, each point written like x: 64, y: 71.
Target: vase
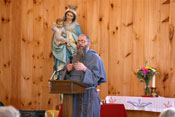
x: 147, y: 90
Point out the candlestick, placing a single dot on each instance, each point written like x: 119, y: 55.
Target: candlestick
x: 154, y: 81
x: 153, y: 92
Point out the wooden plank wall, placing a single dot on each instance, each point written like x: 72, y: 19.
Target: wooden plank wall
x: 125, y: 33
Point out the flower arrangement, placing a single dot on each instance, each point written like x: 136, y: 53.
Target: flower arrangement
x: 145, y: 74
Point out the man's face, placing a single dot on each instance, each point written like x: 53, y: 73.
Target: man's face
x: 82, y: 42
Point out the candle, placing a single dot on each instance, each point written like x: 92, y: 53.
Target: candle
x: 154, y: 81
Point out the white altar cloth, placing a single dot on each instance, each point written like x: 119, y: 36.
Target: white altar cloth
x: 154, y: 104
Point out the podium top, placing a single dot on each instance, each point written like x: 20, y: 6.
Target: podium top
x: 66, y: 87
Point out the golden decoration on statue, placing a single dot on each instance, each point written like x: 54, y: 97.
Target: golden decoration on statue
x: 72, y: 7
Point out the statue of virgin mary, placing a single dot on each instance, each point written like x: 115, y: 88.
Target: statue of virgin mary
x: 63, y: 51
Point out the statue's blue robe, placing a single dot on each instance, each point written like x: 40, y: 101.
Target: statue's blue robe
x: 62, y: 52
x: 88, y: 104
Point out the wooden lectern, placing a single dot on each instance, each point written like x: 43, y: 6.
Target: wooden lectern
x: 67, y: 88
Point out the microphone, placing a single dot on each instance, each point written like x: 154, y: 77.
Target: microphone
x: 70, y: 58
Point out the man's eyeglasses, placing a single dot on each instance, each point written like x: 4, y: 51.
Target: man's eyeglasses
x: 82, y: 41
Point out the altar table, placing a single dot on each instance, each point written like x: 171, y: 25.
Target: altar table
x: 153, y: 104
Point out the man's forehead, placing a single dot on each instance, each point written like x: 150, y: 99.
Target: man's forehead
x: 82, y: 38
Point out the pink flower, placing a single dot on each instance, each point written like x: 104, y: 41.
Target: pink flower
x: 145, y: 71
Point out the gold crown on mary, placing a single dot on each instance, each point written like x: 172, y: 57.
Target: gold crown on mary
x: 72, y: 7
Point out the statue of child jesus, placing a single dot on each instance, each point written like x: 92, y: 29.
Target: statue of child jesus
x: 60, y: 34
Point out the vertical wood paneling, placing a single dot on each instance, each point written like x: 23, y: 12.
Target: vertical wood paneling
x: 26, y: 54
x: 165, y: 50
x: 92, y: 23
x: 37, y: 76
x: 172, y: 43
x: 125, y: 33
x: 5, y: 51
x: 15, y: 32
x: 82, y: 14
x: 126, y: 26
x: 103, y: 20
x: 138, y: 43
x: 152, y: 29
x: 114, y: 48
